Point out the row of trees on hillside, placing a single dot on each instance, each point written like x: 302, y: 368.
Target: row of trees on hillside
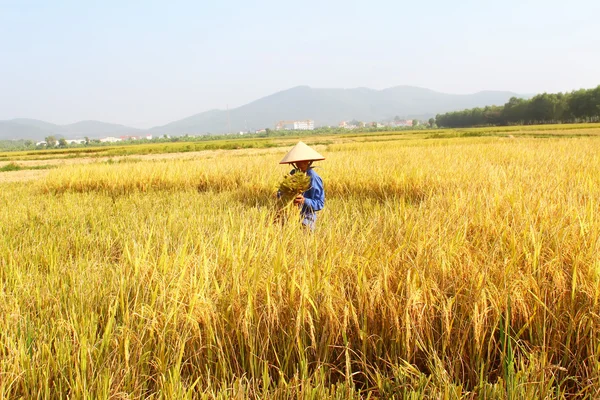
x: 547, y: 108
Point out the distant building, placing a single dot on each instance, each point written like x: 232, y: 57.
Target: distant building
x: 132, y: 137
x: 350, y: 124
x: 110, y: 139
x: 75, y: 141
x: 307, y: 125
x: 402, y: 122
x: 299, y: 125
x: 44, y: 143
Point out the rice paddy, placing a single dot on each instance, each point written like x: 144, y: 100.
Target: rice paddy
x: 458, y: 267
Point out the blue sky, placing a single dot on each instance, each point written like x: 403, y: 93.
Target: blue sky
x: 146, y: 63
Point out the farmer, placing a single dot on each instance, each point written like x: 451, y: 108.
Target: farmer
x: 313, y: 200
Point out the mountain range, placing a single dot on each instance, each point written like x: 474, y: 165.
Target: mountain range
x: 24, y: 128
x: 324, y: 106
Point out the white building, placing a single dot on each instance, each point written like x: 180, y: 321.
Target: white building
x: 44, y: 143
x: 299, y: 125
x: 147, y: 137
x: 307, y: 125
x: 110, y: 139
x: 75, y: 141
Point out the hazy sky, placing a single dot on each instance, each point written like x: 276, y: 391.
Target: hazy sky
x: 146, y: 63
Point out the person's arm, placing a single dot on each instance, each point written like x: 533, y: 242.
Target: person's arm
x: 317, y: 200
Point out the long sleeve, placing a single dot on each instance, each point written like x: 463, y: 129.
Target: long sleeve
x: 314, y: 198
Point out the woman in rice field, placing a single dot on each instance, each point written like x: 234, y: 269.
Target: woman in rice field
x: 312, y: 200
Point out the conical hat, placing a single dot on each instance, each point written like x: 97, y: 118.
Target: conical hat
x: 301, y: 152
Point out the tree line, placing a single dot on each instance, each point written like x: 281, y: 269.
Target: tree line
x: 52, y: 142
x: 546, y: 108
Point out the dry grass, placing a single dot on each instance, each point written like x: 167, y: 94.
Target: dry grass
x: 22, y: 176
x: 469, y: 269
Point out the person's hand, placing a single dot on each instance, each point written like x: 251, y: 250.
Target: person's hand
x: 299, y: 200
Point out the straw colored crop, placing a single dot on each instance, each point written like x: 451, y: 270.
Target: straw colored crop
x: 290, y: 186
x: 440, y: 269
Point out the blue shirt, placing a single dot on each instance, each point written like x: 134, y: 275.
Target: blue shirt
x: 314, y: 199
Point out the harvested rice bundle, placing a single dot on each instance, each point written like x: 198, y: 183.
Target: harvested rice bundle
x: 291, y: 186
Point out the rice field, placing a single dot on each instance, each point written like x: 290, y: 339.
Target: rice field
x: 440, y: 268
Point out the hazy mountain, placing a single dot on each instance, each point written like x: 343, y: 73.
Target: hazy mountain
x: 97, y: 129
x: 324, y: 106
x: 330, y: 106
x: 13, y: 130
x: 23, y: 128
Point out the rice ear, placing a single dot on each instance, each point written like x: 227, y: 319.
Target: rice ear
x: 290, y: 187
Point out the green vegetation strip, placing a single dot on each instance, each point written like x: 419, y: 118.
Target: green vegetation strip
x: 126, y: 149
x: 17, y: 167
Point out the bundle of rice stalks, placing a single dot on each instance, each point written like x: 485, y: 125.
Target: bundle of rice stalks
x: 291, y: 186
